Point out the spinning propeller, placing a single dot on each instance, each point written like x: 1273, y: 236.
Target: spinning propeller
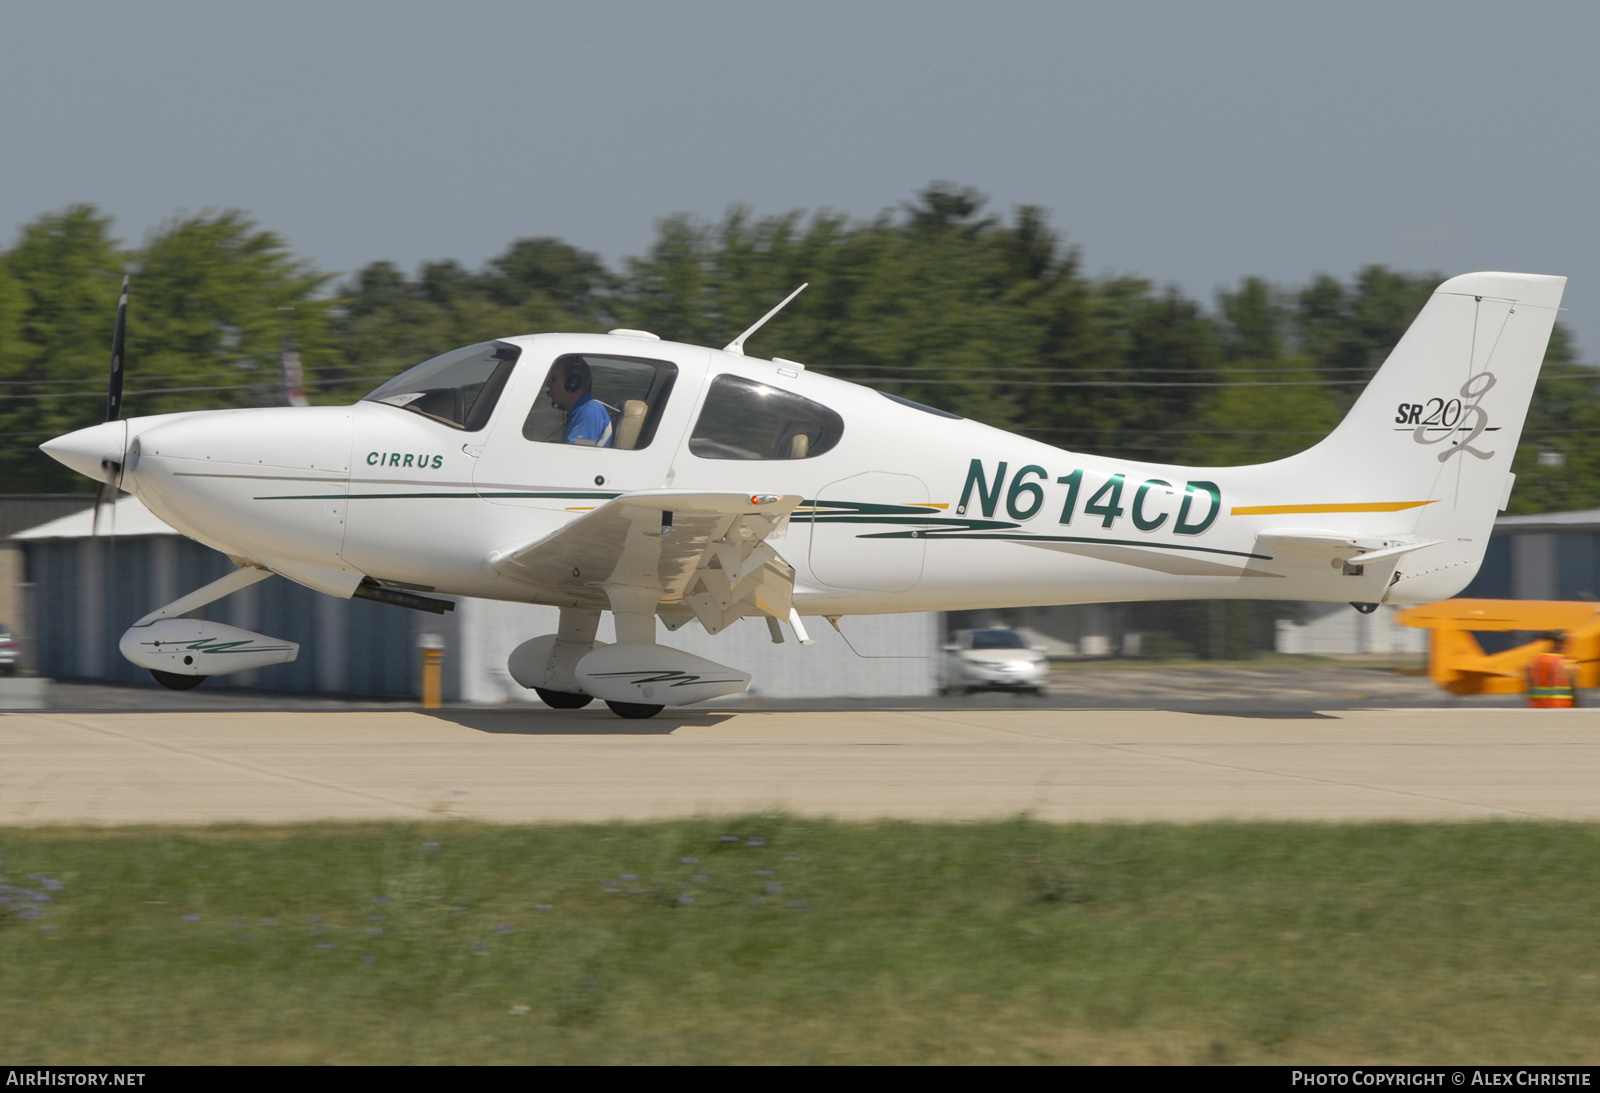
x: 112, y: 468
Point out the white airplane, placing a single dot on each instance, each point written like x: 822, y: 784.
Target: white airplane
x: 672, y: 482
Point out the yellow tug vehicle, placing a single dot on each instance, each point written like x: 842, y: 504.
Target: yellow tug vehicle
x: 1458, y: 663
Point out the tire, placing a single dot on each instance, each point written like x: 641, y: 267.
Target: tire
x: 174, y: 682
x: 634, y: 710
x: 562, y: 700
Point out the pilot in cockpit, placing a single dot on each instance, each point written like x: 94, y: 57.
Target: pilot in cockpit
x: 571, y: 389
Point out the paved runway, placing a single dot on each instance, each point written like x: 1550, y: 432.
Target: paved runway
x: 522, y: 765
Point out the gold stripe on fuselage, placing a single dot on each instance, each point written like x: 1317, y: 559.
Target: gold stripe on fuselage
x: 1356, y: 506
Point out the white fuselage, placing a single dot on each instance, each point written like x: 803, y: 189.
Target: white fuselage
x: 327, y: 495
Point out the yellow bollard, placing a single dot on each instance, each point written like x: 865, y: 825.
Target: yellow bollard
x: 432, y: 646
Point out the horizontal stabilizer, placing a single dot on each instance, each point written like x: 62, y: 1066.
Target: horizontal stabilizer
x: 1320, y: 543
x: 1393, y: 551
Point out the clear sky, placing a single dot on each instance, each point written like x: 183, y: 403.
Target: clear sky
x: 1186, y: 142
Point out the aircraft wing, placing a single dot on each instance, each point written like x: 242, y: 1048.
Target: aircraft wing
x: 705, y: 554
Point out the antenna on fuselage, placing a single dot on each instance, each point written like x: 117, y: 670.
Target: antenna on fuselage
x: 737, y: 345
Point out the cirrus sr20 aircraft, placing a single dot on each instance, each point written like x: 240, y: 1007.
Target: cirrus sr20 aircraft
x: 702, y: 486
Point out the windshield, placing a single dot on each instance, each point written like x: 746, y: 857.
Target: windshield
x: 997, y: 639
x: 458, y: 388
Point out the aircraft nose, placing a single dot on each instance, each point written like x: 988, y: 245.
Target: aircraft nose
x: 88, y: 450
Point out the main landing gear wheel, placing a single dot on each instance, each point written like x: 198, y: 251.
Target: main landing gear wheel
x: 634, y: 709
x: 562, y: 700
x: 175, y: 682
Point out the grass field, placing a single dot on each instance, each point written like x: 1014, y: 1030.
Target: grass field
x: 773, y: 939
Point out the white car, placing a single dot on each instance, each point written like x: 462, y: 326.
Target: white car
x: 999, y: 660
x: 10, y: 651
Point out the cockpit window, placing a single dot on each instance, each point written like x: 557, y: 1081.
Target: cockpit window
x: 743, y: 419
x: 601, y: 402
x: 458, y: 388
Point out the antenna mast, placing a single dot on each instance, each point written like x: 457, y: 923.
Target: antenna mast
x: 737, y: 345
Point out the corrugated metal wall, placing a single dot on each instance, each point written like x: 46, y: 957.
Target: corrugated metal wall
x: 88, y: 593
x: 1493, y: 581
x: 1545, y: 565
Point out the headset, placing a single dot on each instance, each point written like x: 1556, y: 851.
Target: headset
x: 576, y: 376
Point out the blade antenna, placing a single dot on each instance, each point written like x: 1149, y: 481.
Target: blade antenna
x: 737, y: 345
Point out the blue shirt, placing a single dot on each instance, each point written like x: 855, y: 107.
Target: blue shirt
x: 589, y: 423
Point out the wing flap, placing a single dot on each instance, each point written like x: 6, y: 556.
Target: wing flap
x: 706, y: 551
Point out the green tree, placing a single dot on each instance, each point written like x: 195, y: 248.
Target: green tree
x: 937, y: 303
x: 385, y: 321
x: 1273, y: 402
x: 1558, y: 458
x: 1167, y: 346
x: 546, y: 277
x: 64, y: 273
x: 210, y: 298
x: 11, y: 345
x: 935, y: 311
x: 1349, y: 332
x: 938, y: 299
x: 215, y: 294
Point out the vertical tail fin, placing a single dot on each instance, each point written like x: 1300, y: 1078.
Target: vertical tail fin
x: 1440, y: 422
